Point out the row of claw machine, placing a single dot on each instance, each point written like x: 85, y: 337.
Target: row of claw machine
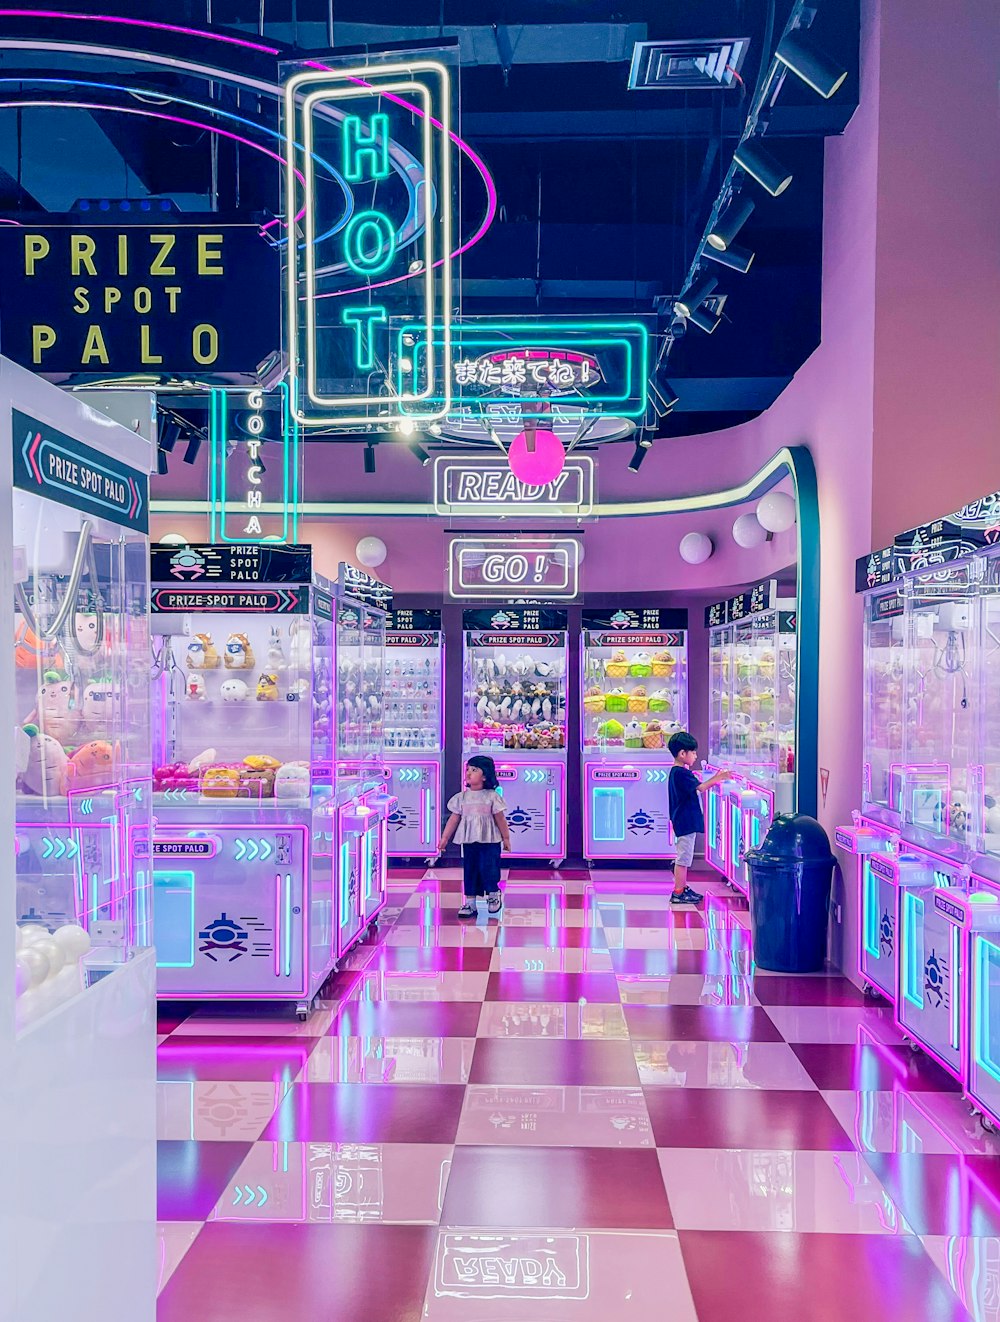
x: 269, y: 796
x: 751, y: 723
x: 927, y: 835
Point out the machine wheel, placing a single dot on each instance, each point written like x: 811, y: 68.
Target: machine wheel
x: 988, y: 1126
x: 373, y: 929
x: 302, y: 1011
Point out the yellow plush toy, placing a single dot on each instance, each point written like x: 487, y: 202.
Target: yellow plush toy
x: 638, y: 699
x: 664, y: 664
x: 617, y: 667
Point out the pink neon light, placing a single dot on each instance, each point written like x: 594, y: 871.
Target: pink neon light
x: 463, y: 146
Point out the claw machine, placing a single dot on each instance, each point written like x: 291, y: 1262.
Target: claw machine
x: 721, y: 744
x: 753, y: 666
x: 873, y: 835
x: 634, y: 696
x: 414, y: 729
x: 77, y: 974
x: 363, y: 803
x: 515, y: 704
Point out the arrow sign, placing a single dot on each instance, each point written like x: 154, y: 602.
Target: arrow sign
x: 87, y: 807
x: 657, y: 775
x: 247, y: 1197
x: 47, y: 847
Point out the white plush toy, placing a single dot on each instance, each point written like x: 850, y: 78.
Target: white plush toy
x: 234, y: 690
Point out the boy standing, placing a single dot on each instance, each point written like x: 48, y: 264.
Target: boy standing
x: 686, y: 816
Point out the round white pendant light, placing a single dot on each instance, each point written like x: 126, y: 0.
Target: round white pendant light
x: 748, y: 531
x: 371, y: 551
x: 776, y: 511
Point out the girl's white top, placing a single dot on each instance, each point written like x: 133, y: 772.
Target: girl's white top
x: 476, y: 809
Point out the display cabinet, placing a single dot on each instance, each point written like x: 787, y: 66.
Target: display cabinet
x: 515, y: 710
x: 634, y: 687
x: 414, y: 729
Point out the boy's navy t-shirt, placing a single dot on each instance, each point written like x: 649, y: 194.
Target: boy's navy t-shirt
x: 686, y: 816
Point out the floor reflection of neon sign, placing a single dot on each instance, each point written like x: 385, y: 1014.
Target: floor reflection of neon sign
x: 498, y: 1266
x: 392, y: 126
x: 254, y: 469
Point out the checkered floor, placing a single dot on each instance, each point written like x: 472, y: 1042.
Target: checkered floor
x: 594, y: 1107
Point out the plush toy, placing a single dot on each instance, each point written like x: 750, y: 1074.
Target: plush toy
x: 45, y: 771
x: 276, y: 651
x: 543, y: 668
x: 611, y: 730
x: 593, y: 700
x: 616, y: 700
x: 992, y: 818
x: 652, y: 736
x: 99, y: 706
x: 195, y: 686
x: 85, y: 633
x: 638, y: 699
x: 55, y: 712
x: 300, y: 651
x: 256, y: 783
x: 201, y: 653
x: 617, y: 666
x: 659, y: 700
x: 267, y: 687
x: 261, y: 762
x: 220, y: 783
x: 641, y: 666
x: 30, y: 651
x: 91, y: 766
x: 204, y: 759
x: 521, y: 665
x: 663, y: 664
x: 292, y: 781
x: 633, y: 735
x: 239, y: 653
x: 234, y: 690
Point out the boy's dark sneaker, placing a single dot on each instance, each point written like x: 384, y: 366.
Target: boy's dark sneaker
x: 686, y: 896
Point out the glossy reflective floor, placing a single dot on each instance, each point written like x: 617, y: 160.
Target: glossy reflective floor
x: 595, y: 1107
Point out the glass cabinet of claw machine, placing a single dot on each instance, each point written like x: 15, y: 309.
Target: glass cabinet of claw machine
x: 514, y: 705
x: 243, y: 776
x: 721, y: 751
x: 414, y: 730
x: 634, y: 696
x: 80, y: 764
x: 363, y: 804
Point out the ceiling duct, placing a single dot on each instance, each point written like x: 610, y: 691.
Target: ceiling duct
x: 705, y: 64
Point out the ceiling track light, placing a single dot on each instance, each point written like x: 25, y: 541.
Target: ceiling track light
x: 797, y: 52
x: 161, y: 462
x: 735, y: 257
x: 420, y: 454
x: 761, y: 165
x: 687, y: 303
x: 729, y: 224
x: 193, y: 446
x: 705, y: 321
x: 635, y: 463
x: 662, y: 396
x: 369, y: 459
x: 169, y: 434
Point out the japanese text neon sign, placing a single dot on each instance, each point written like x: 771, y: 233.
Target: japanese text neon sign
x: 391, y: 126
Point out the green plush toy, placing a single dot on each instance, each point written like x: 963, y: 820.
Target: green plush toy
x: 616, y: 700
x: 642, y: 665
x: 610, y: 730
x: 633, y: 735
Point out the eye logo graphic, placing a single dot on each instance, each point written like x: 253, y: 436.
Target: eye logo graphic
x: 520, y: 818
x: 225, y: 936
x: 641, y: 821
x: 934, y: 980
x: 885, y: 934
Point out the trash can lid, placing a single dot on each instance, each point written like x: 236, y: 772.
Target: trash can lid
x: 794, y: 838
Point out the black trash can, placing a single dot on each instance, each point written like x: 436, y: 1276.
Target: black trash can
x: 790, y: 876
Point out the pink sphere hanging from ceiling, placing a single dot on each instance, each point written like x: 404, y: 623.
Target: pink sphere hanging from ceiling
x: 536, y: 457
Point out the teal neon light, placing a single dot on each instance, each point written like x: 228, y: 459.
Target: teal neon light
x: 369, y: 243
x: 252, y: 850
x: 175, y: 925
x: 628, y: 340
x: 609, y: 813
x: 870, y: 887
x: 288, y: 925
x: 956, y: 1025
x: 364, y: 320
x: 345, y: 883
x: 366, y: 865
x: 987, y: 980
x: 241, y: 515
x: 366, y: 154
x: 913, y: 949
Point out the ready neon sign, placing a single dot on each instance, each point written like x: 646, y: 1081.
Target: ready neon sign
x: 363, y: 263
x: 485, y: 487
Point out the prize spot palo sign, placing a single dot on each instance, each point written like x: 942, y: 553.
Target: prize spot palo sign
x: 170, y: 298
x: 496, y: 567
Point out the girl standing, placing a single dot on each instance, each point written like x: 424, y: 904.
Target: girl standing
x: 479, y: 826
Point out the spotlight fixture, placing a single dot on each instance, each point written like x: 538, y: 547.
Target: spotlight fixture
x: 420, y: 454
x: 406, y: 427
x: 369, y: 459
x: 435, y: 429
x: 735, y: 257
x: 161, y: 462
x: 169, y: 435
x: 730, y: 223
x: 705, y: 321
x: 760, y: 164
x: 798, y: 53
x: 635, y: 463
x: 687, y: 303
x: 662, y: 396
x: 193, y: 446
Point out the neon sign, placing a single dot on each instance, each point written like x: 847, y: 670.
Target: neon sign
x: 254, y: 469
x: 486, y: 567
x: 526, y: 364
x: 484, y: 487
x: 388, y: 124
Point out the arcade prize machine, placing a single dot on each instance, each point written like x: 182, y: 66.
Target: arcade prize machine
x: 873, y: 836
x: 721, y: 744
x: 758, y: 726
x: 414, y: 730
x: 941, y: 798
x: 515, y: 712
x: 257, y: 796
x: 634, y: 696
x: 78, y: 975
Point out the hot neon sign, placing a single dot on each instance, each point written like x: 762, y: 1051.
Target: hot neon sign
x: 333, y: 358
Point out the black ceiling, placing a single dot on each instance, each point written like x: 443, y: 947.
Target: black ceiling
x: 603, y: 192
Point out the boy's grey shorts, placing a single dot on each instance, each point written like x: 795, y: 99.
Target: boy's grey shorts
x: 685, y: 850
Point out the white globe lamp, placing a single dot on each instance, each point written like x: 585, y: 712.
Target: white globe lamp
x: 371, y: 551
x: 776, y: 511
x: 748, y: 532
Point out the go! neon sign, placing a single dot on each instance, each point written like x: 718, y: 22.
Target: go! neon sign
x: 365, y: 257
